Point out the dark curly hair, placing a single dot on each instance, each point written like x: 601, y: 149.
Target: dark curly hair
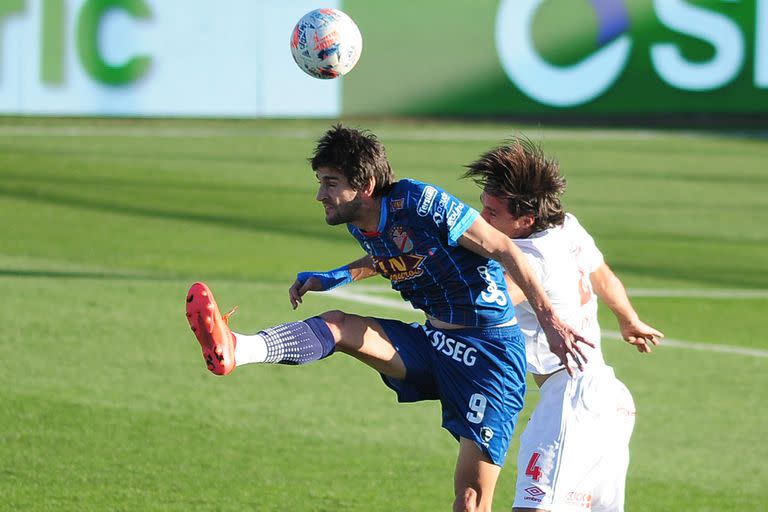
x: 357, y: 154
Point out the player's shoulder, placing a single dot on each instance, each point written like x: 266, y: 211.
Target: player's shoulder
x: 534, y: 253
x: 571, y: 222
x: 573, y: 228
x: 531, y: 247
x: 406, y: 188
x: 409, y: 185
x: 544, y: 244
x: 415, y: 195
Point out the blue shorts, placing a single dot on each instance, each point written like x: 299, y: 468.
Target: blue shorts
x: 478, y: 374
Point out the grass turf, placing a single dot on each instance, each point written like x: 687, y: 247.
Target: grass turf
x: 106, y: 403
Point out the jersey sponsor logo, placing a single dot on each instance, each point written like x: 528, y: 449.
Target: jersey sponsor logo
x: 454, y: 213
x: 400, y: 268
x: 585, y: 285
x: 579, y: 499
x: 426, y: 200
x: 456, y: 350
x: 623, y: 411
x: 401, y: 238
x: 534, y: 494
x: 440, y: 209
x: 492, y: 294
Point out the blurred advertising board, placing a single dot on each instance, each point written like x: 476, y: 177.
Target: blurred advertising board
x: 425, y: 57
x: 561, y: 56
x: 156, y: 58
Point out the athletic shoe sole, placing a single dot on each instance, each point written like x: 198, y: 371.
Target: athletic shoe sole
x: 211, y: 330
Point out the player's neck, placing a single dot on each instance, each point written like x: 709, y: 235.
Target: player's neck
x: 369, y: 216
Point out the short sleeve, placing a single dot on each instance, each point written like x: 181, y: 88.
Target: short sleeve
x: 441, y: 211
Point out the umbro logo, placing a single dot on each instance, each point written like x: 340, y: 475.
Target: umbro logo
x: 534, y: 491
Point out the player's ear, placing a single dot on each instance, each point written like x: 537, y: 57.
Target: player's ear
x: 528, y: 220
x: 368, y: 189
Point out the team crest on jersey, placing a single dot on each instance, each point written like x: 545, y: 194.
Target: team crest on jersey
x: 396, y: 204
x: 401, y: 238
x: 400, y: 268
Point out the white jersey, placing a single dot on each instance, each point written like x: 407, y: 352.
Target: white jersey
x: 574, y: 452
x: 562, y: 257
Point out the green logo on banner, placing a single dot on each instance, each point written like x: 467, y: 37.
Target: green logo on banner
x: 551, y: 82
x: 89, y: 23
x: 53, y: 42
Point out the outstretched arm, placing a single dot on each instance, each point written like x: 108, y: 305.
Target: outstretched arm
x: 515, y: 293
x: 359, y: 269
x: 611, y: 291
x: 485, y: 240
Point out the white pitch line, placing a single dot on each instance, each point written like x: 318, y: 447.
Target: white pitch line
x: 673, y: 343
x: 683, y: 293
x: 698, y: 293
x: 125, y: 131
x: 694, y: 345
x: 426, y: 133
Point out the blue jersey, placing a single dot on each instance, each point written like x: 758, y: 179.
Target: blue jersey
x: 416, y: 248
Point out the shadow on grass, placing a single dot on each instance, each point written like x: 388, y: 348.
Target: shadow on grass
x: 183, y: 280
x: 224, y: 156
x: 697, y: 275
x: 226, y: 221
x: 87, y: 274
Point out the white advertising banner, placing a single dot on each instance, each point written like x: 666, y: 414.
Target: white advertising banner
x: 157, y: 58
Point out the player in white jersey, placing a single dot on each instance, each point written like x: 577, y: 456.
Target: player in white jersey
x: 574, y: 453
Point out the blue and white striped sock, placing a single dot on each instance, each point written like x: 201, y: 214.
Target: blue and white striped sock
x: 290, y: 343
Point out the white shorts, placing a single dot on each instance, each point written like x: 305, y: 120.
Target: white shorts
x: 574, y: 452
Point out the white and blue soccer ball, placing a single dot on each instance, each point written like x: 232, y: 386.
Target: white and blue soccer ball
x: 326, y: 43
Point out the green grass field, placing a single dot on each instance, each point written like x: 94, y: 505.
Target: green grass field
x: 106, y: 404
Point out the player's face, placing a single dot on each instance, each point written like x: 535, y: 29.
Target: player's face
x: 495, y: 212
x: 340, y: 201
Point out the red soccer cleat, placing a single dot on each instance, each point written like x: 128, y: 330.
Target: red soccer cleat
x: 212, y: 329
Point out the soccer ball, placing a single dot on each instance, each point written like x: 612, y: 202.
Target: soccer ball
x: 326, y: 43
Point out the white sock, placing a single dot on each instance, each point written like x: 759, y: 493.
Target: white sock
x: 249, y: 349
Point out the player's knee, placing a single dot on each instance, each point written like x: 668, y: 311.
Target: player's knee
x: 335, y: 320
x: 467, y: 501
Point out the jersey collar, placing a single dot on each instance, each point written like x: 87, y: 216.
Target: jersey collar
x: 382, y: 219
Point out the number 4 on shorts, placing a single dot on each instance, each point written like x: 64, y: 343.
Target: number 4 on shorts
x: 533, y: 470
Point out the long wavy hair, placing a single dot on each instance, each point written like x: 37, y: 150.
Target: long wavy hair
x: 519, y: 172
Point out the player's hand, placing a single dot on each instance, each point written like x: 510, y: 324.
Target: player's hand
x: 641, y: 335
x: 565, y: 342
x: 299, y: 288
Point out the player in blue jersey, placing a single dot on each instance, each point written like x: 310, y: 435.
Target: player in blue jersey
x: 447, y: 261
